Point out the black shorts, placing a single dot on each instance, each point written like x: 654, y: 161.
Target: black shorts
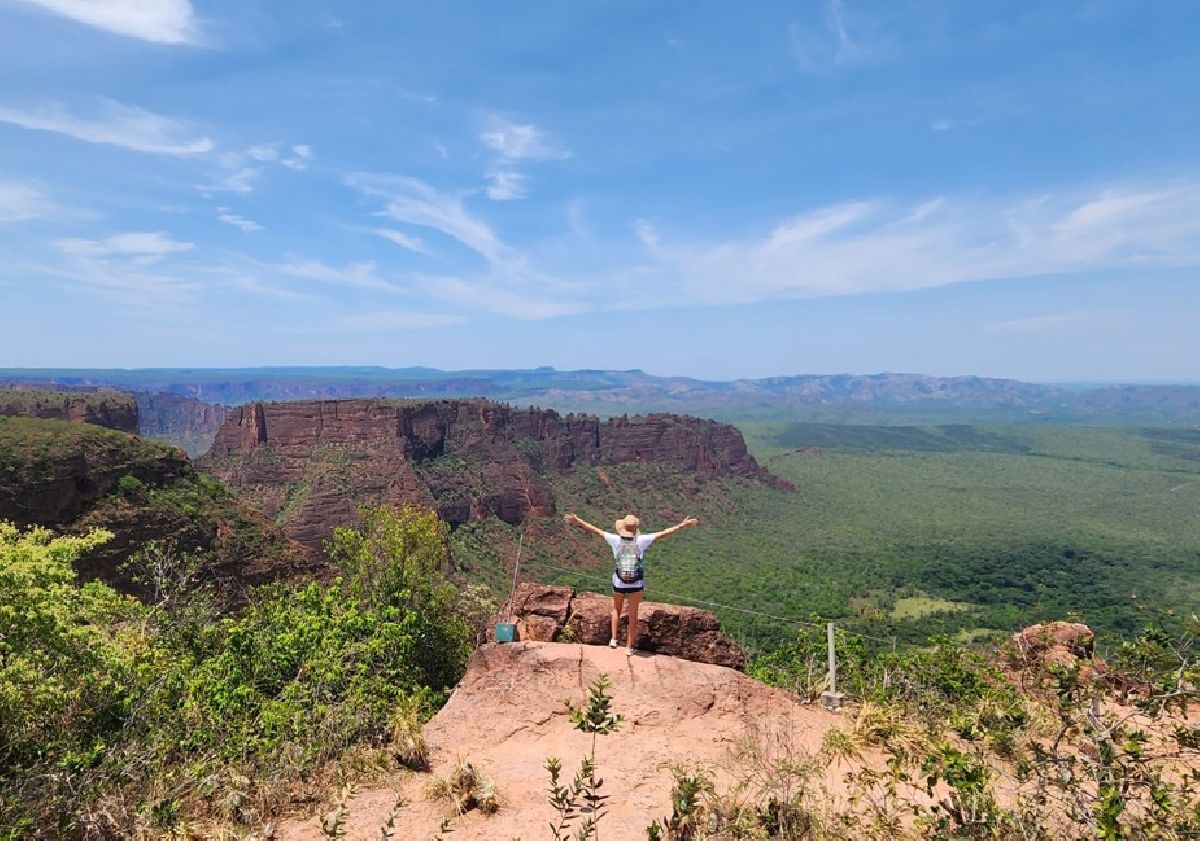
x: 625, y: 591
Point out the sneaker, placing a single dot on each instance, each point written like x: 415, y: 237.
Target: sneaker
x: 612, y: 643
x: 629, y: 651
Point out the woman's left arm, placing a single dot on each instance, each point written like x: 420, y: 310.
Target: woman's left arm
x: 683, y: 524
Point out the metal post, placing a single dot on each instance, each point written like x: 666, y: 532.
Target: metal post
x: 831, y: 699
x: 832, y: 658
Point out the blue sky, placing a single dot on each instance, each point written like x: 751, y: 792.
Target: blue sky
x: 709, y: 189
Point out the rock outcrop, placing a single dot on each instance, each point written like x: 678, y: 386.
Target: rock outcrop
x: 104, y: 407
x: 1054, y: 643
x: 554, y: 614
x: 310, y: 464
x: 507, y: 716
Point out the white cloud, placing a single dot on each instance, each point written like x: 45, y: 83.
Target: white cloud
x: 251, y: 284
x: 159, y: 21
x: 227, y: 216
x: 506, y: 186
x: 239, y: 170
x: 154, y: 245
x: 519, y: 142
x: 879, y: 246
x: 1033, y: 324
x: 402, y: 239
x: 362, y: 275
x: 414, y: 202
x: 396, y: 320
x: 823, y: 48
x: 115, y: 124
x: 301, y: 157
x: 646, y: 232
x: 264, y: 152
x: 20, y: 202
x: 489, y: 295
x: 129, y: 269
x: 240, y: 180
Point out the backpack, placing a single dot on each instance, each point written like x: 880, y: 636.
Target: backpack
x: 629, y: 565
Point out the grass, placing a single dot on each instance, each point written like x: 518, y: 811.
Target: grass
x: 918, y: 607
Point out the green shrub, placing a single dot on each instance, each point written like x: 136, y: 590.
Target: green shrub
x: 123, y: 719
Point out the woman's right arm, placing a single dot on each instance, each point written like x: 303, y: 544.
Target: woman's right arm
x: 583, y: 524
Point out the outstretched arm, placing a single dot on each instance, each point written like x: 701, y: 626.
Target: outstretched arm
x: 571, y: 519
x: 683, y: 524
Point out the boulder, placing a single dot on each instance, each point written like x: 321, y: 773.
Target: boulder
x: 1054, y: 643
x: 557, y: 614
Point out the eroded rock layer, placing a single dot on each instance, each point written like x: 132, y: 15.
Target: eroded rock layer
x: 311, y: 464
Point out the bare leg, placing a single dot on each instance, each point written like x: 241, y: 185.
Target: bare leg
x: 631, y: 633
x: 618, y: 603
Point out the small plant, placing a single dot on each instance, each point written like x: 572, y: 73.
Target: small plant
x: 408, y: 738
x: 333, y: 823
x: 467, y: 790
x: 583, y: 795
x: 690, y: 790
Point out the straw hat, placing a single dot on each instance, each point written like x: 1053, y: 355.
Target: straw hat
x: 627, y: 526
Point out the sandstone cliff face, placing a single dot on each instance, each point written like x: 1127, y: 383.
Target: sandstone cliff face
x: 110, y: 409
x: 183, y: 421
x: 310, y: 464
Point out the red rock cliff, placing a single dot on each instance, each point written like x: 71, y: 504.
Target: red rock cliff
x: 312, y: 463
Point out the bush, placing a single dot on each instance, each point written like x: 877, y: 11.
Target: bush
x: 123, y: 719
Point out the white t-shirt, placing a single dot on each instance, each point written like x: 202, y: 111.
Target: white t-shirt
x: 643, y: 543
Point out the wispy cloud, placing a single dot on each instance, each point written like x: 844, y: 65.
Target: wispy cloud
x: 300, y: 159
x: 152, y: 245
x: 520, y: 141
x: 822, y: 48
x: 239, y: 170
x: 489, y: 294
x: 363, y: 275
x: 880, y: 246
x: 505, y: 186
x: 396, y: 320
x: 240, y: 180
x: 402, y: 239
x: 114, y: 124
x: 1034, y: 324
x: 133, y: 270
x: 413, y: 202
x: 251, y: 284
x: 159, y: 21
x: 227, y: 216
x: 19, y: 202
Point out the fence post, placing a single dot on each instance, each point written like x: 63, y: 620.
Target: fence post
x: 831, y: 699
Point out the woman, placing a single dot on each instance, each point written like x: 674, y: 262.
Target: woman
x: 628, y: 580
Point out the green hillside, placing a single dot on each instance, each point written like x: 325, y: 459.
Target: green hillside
x: 906, y: 531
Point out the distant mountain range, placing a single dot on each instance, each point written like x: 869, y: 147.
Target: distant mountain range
x: 828, y: 397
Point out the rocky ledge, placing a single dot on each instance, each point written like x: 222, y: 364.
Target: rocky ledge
x: 559, y: 614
